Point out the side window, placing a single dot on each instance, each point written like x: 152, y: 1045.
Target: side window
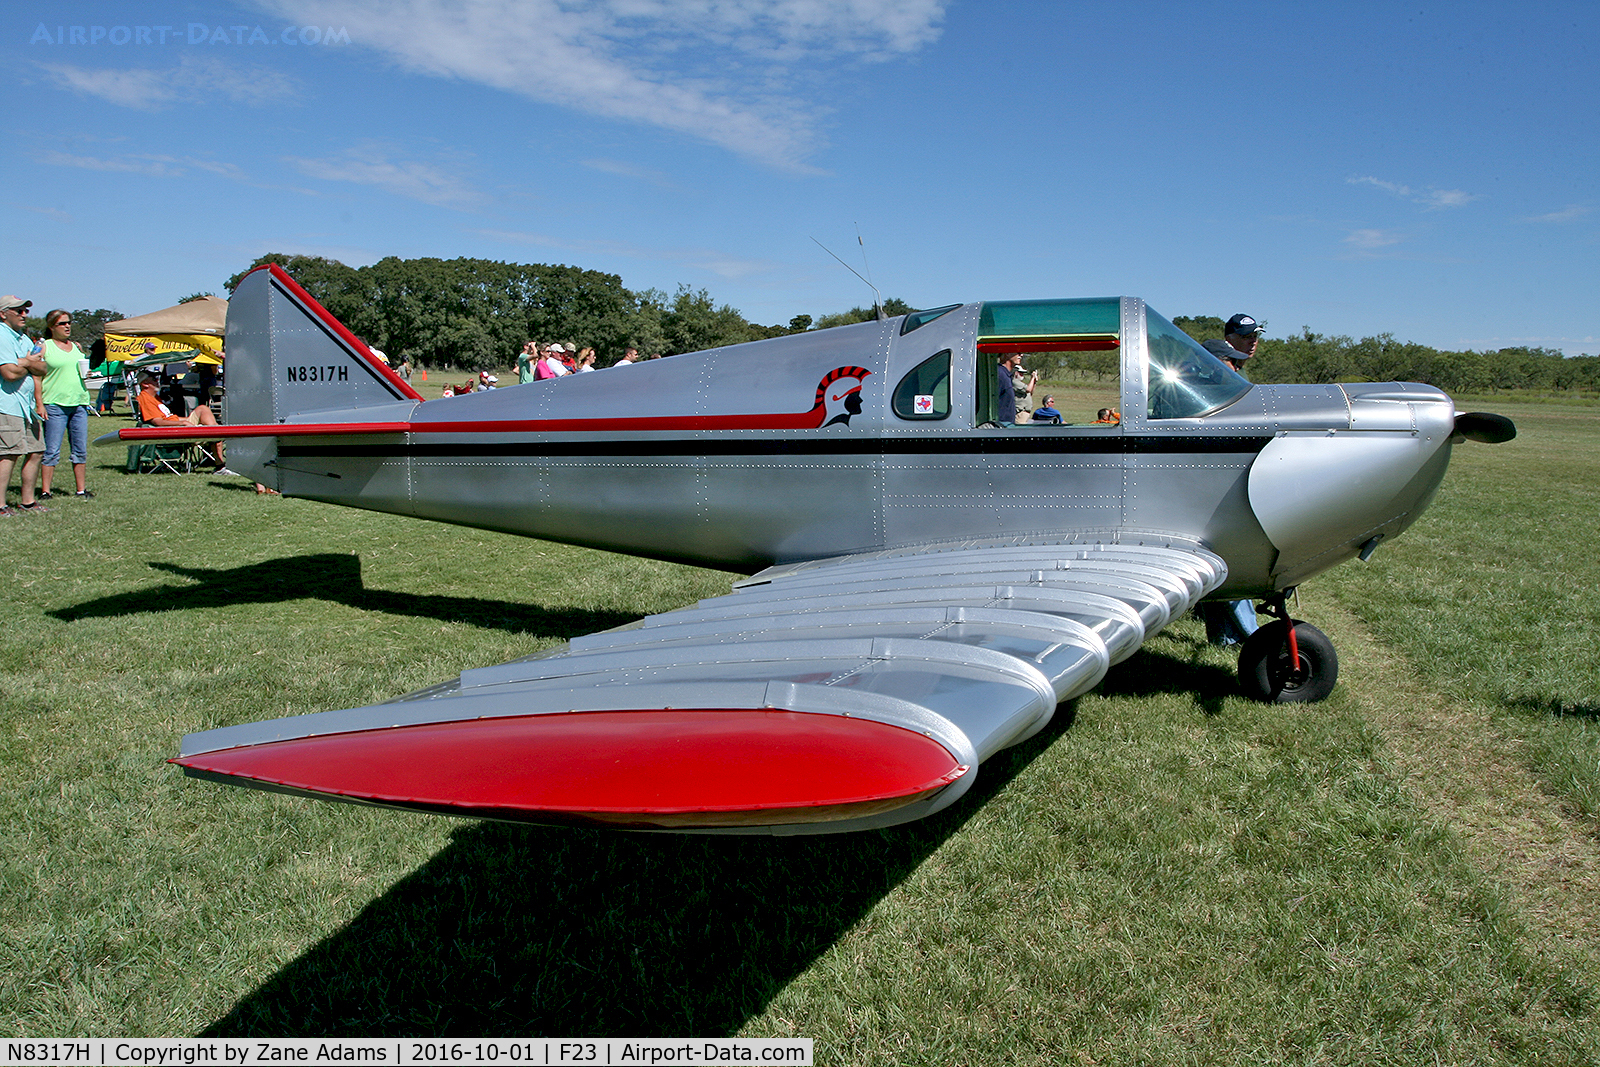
x: 924, y: 393
x: 1078, y: 380
x: 918, y: 319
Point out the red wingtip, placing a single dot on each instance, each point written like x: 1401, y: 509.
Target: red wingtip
x: 650, y: 768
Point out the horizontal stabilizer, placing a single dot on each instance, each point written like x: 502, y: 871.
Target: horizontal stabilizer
x: 218, y: 433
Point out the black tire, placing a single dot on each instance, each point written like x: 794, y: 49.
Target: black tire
x: 1265, y: 673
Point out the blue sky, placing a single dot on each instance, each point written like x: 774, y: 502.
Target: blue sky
x: 1426, y: 170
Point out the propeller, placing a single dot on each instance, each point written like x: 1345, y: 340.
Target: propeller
x: 1485, y: 426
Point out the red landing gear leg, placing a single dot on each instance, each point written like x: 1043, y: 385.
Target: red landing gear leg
x: 1287, y: 660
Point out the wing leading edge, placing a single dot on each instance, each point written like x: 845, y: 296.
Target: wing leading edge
x: 834, y: 695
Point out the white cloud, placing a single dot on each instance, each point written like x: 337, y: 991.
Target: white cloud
x: 790, y: 29
x: 194, y: 79
x: 1437, y: 198
x: 145, y: 90
x: 256, y: 86
x: 628, y: 170
x: 1431, y: 198
x: 155, y: 165
x: 728, y: 72
x: 1571, y: 213
x: 1388, y: 187
x: 54, y: 213
x: 1368, y: 240
x: 369, y: 164
x: 152, y: 166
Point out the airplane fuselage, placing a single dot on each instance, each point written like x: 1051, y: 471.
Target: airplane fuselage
x: 738, y: 458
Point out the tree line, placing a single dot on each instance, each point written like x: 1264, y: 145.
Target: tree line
x: 1316, y: 358
x: 477, y: 313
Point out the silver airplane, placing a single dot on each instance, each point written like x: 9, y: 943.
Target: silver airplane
x: 928, y: 582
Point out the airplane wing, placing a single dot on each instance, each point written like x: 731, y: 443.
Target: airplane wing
x: 840, y: 694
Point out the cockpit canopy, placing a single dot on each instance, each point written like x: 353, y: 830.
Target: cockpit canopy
x: 1182, y: 380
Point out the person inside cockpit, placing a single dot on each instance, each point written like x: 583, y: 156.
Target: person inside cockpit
x: 1006, y: 391
x: 1241, y: 335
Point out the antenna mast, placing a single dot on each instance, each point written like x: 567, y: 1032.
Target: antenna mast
x: 865, y: 266
x: 877, y: 297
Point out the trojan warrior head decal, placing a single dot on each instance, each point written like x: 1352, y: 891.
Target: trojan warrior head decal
x: 839, y: 394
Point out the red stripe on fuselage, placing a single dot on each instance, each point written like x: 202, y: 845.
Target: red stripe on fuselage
x: 805, y: 420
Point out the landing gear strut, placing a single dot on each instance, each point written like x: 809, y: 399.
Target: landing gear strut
x: 1287, y: 660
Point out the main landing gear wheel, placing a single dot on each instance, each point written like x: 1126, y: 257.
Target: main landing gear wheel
x: 1267, y: 672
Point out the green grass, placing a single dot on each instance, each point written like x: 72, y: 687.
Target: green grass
x: 1169, y: 874
x: 1494, y: 597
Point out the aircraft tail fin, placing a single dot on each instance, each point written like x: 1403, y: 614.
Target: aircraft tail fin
x: 290, y: 360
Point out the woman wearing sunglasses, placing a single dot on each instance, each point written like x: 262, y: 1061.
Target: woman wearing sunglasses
x: 66, y: 402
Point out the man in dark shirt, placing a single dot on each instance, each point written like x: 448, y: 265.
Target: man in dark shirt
x: 1006, y: 394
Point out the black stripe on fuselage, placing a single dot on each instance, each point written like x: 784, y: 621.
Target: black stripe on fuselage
x: 987, y: 445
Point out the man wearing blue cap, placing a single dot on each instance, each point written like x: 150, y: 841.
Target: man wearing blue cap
x: 21, y: 410
x: 1242, y: 335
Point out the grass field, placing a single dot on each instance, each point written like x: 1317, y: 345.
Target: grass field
x: 1407, y: 873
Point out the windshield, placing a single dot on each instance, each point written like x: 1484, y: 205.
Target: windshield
x: 1185, y: 380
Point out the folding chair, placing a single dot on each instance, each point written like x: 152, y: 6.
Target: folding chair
x: 177, y: 457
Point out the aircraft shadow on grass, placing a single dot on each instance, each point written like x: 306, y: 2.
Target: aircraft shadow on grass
x: 334, y: 577
x: 516, y: 931
x: 1555, y: 707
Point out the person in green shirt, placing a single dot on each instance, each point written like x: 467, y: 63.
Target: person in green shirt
x: 525, y: 361
x: 66, y: 403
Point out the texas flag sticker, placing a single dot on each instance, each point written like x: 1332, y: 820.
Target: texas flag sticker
x: 922, y: 405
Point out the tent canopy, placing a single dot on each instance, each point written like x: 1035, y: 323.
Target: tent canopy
x: 209, y: 315
x: 195, y: 326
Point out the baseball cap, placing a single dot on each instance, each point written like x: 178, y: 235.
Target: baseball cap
x: 1244, y: 326
x: 1223, y: 350
x: 8, y: 302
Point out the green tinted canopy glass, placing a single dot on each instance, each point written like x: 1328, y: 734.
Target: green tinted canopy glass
x: 1098, y: 316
